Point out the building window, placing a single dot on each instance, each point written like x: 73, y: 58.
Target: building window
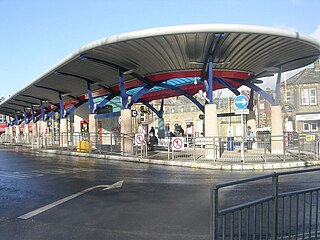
x: 309, y: 96
x: 313, y: 96
x: 314, y: 126
x: 304, y: 97
x: 311, y: 126
x: 288, y: 97
x: 192, y: 108
x: 172, y: 110
x: 182, y: 109
x: 306, y: 127
x: 142, y: 117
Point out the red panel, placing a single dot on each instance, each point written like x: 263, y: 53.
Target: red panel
x: 192, y: 89
x: 2, y: 127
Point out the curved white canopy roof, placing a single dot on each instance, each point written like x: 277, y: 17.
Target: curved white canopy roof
x: 239, y: 52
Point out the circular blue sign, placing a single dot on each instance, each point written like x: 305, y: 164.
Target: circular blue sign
x: 241, y: 102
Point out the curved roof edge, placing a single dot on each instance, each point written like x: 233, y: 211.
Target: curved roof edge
x: 177, y: 29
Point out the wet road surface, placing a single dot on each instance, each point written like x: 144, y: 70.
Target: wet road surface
x: 155, y: 202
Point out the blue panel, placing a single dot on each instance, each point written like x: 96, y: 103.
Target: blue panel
x: 107, y: 115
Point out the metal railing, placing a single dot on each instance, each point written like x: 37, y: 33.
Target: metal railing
x: 216, y: 149
x: 286, y: 215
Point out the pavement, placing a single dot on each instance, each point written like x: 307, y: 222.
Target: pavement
x: 255, y: 159
x: 160, y: 158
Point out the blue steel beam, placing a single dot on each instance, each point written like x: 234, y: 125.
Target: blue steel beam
x: 16, y: 118
x: 42, y: 110
x: 161, y: 107
x: 32, y: 114
x: 187, y: 95
x: 250, y: 104
x: 61, y: 106
x: 105, y: 101
x: 152, y: 108
x: 210, y: 79
x: 141, y: 78
x: 277, y: 88
x: 260, y: 91
x: 72, y: 109
x: 90, y: 99
x: 228, y: 85
x: 124, y: 95
x: 210, y: 53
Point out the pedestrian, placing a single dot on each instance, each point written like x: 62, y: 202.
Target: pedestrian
x: 152, y: 132
x: 249, y: 137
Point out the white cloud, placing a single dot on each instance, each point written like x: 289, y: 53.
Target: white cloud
x: 316, y: 33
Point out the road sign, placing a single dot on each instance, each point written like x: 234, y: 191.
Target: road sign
x: 241, y: 102
x: 241, y: 111
x: 178, y: 143
x: 139, y: 139
x: 134, y: 113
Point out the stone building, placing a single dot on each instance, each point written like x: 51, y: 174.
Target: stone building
x: 300, y: 101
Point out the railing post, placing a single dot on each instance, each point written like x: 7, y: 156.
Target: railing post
x: 299, y: 148
x: 214, y: 211
x: 194, y: 149
x: 275, y: 193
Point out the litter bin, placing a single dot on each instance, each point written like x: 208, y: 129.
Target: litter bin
x: 230, y: 144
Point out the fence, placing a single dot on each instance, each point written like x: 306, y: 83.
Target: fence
x: 286, y: 215
x: 217, y: 149
x: 266, y: 148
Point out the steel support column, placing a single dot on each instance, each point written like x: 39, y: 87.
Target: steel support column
x: 91, y: 103
x: 123, y: 92
x: 210, y: 79
x: 277, y: 88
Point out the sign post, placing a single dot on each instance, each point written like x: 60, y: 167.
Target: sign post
x: 241, y: 102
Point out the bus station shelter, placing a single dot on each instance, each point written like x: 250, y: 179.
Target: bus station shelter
x: 151, y: 64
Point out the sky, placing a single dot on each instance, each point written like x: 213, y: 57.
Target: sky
x: 36, y: 34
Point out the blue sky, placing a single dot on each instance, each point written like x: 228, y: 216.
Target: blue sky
x: 36, y: 34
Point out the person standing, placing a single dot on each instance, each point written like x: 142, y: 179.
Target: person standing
x: 249, y: 137
x: 152, y: 132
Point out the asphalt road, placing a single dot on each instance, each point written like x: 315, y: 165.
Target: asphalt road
x: 154, y: 202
